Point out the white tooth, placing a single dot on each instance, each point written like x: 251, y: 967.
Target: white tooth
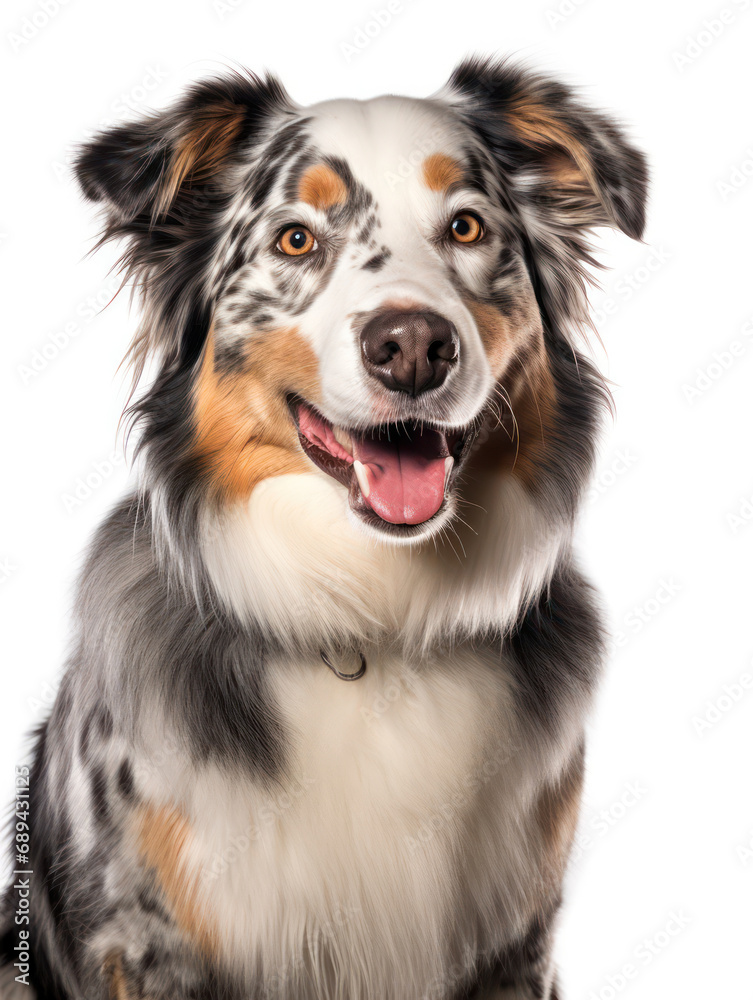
x: 342, y: 437
x: 448, y: 464
x: 362, y: 477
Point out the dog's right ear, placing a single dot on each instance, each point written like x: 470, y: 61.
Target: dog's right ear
x: 123, y: 167
x: 163, y: 182
x: 139, y: 168
x: 142, y: 167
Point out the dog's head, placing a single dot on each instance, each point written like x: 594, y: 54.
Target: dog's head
x: 360, y: 289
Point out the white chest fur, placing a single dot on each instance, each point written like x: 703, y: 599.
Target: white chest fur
x: 399, y: 843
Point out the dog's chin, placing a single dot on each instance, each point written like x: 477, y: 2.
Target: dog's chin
x: 401, y: 478
x: 380, y: 530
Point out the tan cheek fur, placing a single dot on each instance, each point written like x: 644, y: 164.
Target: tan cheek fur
x: 244, y: 431
x: 499, y: 334
x: 520, y: 365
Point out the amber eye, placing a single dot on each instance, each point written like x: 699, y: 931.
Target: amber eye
x: 466, y: 228
x: 296, y: 240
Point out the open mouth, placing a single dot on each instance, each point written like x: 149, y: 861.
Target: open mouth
x: 399, y: 476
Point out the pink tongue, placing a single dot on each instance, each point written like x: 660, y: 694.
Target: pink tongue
x: 406, y: 478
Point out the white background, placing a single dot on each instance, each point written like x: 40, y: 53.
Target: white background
x: 657, y: 537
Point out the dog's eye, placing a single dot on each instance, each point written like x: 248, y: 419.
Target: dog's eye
x: 296, y: 240
x: 467, y: 227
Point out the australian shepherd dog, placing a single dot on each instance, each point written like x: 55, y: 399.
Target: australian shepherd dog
x: 321, y: 736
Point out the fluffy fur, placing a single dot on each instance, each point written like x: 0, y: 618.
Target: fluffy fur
x: 214, y: 813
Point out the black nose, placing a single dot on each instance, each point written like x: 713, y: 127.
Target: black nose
x: 409, y: 351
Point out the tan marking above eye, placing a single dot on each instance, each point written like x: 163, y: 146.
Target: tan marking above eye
x: 440, y: 172
x: 466, y: 227
x: 296, y: 241
x: 322, y: 188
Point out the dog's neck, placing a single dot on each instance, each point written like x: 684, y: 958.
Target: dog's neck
x: 291, y: 561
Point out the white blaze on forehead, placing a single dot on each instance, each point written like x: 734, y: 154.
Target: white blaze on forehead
x: 386, y: 140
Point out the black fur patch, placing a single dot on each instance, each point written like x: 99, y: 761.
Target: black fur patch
x: 377, y: 262
x: 557, y: 649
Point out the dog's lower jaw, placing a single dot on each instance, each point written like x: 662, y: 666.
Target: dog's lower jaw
x: 387, y: 535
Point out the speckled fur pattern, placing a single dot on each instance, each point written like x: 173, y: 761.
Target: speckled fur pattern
x: 214, y: 814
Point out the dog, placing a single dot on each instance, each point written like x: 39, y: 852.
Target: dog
x: 322, y: 731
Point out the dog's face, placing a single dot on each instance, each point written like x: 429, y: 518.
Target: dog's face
x: 357, y: 289
x: 370, y: 288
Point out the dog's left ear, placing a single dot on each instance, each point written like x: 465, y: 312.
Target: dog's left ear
x: 544, y: 138
x: 561, y: 169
